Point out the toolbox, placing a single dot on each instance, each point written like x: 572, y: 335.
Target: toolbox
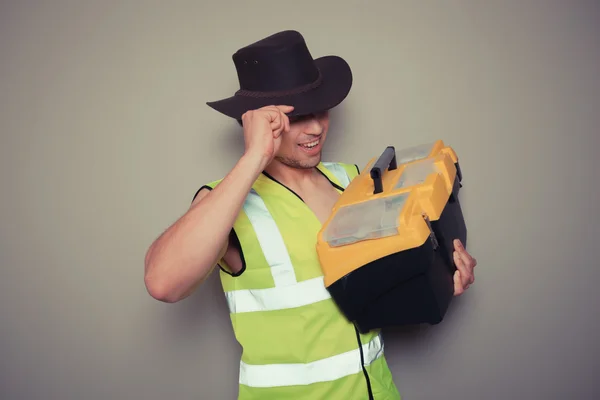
x: 386, y: 249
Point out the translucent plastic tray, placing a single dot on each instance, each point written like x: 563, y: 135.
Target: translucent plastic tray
x: 372, y: 219
x: 414, y: 153
x: 416, y: 173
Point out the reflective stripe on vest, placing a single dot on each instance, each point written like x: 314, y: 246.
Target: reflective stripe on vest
x: 288, y: 292
x: 327, y: 369
x: 277, y: 298
x: 270, y: 240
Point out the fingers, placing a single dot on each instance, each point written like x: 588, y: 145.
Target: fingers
x: 278, y: 125
x: 282, y: 122
x: 466, y: 258
x: 465, y: 263
x: 465, y: 273
x: 276, y: 115
x: 458, y: 285
x: 287, y: 122
x: 273, y: 115
x: 285, y: 109
x: 279, y: 109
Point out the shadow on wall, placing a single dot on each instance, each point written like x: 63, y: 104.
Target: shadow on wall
x: 422, y: 342
x: 335, y: 136
x: 204, y: 309
x: 200, y: 335
x: 233, y: 139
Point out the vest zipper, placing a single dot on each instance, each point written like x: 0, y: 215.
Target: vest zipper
x: 362, y: 364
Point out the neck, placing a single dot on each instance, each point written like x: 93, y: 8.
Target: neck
x: 290, y: 176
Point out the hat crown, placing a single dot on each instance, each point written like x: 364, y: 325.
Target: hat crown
x: 278, y: 62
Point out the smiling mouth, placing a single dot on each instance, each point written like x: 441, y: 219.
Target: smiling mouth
x: 310, y: 145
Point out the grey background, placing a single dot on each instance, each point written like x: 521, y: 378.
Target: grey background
x: 105, y: 136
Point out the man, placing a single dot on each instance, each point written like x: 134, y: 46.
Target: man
x: 259, y: 224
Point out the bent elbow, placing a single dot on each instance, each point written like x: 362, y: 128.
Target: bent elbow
x: 156, y: 286
x: 160, y: 290
x: 163, y: 283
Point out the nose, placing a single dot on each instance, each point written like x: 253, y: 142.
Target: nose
x: 313, y: 126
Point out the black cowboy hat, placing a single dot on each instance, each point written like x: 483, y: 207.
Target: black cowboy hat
x: 279, y: 70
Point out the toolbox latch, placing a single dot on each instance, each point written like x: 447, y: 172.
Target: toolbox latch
x: 432, y: 236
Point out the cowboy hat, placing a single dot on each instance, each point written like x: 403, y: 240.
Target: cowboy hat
x: 279, y: 70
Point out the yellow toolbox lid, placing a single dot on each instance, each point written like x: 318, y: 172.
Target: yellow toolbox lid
x: 387, y: 208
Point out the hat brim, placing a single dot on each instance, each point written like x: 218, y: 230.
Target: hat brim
x: 334, y: 88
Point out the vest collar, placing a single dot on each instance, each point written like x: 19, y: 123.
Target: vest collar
x: 321, y: 168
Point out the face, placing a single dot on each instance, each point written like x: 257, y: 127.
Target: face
x: 301, y: 146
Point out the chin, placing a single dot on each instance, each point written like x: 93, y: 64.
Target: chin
x: 301, y: 162
x: 313, y: 161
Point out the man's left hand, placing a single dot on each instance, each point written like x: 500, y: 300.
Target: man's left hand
x: 465, y: 264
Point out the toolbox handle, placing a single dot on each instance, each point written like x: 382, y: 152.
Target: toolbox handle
x: 387, y: 160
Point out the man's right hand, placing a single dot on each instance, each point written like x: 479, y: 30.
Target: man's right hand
x: 262, y: 131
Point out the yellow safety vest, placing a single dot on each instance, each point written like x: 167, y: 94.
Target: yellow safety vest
x: 295, y: 342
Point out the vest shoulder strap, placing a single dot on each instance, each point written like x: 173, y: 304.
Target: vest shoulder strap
x: 344, y: 172
x: 210, y: 186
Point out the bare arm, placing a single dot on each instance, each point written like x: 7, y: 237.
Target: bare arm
x: 185, y: 254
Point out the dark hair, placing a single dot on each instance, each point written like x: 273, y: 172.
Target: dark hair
x: 240, y: 122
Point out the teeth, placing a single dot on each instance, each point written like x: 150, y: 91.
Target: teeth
x: 310, y: 145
